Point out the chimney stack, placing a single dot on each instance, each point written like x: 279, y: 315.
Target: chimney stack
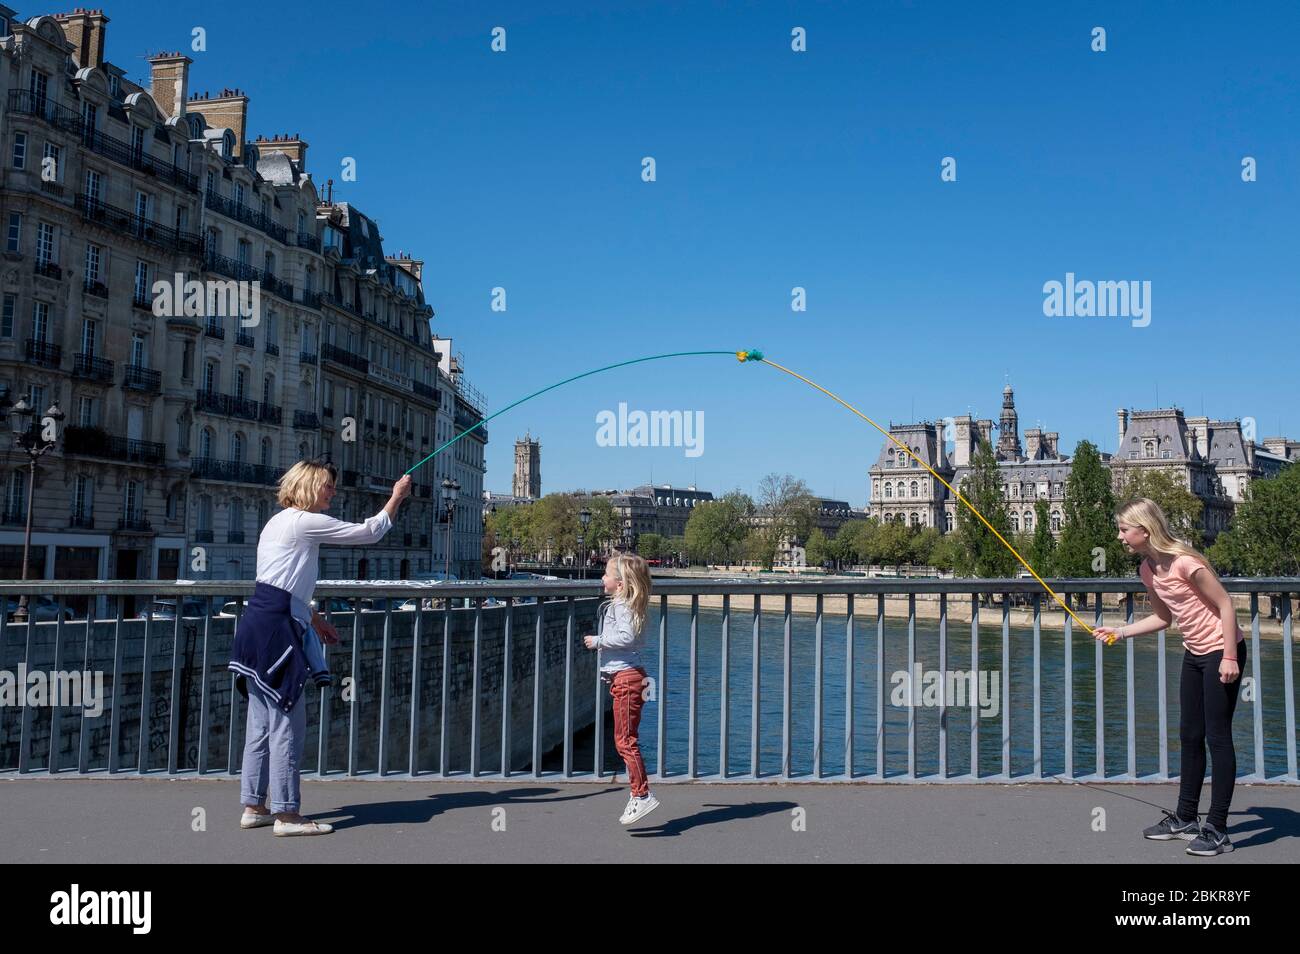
x: 1122, y: 415
x: 84, y: 29
x: 170, y: 82
x: 227, y: 111
x: 292, y: 146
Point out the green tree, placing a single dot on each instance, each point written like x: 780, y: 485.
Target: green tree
x: 818, y: 548
x: 1090, y: 520
x: 982, y: 554
x: 1042, y: 551
x: 1263, y: 538
x: 716, y: 530
x: 1182, y: 507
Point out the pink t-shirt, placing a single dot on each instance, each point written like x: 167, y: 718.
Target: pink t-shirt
x: 1198, y: 620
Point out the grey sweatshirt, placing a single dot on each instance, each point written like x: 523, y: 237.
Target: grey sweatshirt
x: 618, y: 643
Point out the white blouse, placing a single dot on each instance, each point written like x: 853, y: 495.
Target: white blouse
x: 289, y: 547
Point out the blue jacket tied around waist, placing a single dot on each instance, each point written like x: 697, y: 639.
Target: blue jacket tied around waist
x: 268, y: 647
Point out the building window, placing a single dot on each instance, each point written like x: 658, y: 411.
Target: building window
x: 88, y: 336
x: 210, y: 371
x: 1056, y: 521
x: 53, y: 162
x: 889, y: 490
x: 20, y: 150
x: 40, y: 321
x: 93, y: 254
x: 45, y: 243
x: 141, y: 281
x: 86, y: 412
x: 14, y: 238
x: 205, y: 442
x: 7, y: 316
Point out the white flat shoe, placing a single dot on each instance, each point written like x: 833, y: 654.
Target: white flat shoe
x: 303, y: 828
x: 255, y: 820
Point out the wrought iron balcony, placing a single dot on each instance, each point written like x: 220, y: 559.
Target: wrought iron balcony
x: 130, y: 225
x: 43, y: 353
x: 92, y: 367
x: 140, y: 378
x: 242, y: 213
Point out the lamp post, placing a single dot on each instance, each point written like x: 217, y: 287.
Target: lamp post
x: 584, y: 517
x: 550, y: 551
x: 27, y: 436
x: 450, y: 491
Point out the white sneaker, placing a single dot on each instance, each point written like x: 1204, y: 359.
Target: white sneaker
x: 638, y: 808
x: 302, y: 828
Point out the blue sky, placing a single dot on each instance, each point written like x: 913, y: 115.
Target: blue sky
x: 820, y: 169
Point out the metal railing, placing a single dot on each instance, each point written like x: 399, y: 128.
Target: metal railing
x: 123, y: 222
x: 722, y: 666
x: 118, y: 150
x: 242, y: 213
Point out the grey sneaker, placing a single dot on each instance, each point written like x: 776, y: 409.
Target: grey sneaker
x: 1171, y: 827
x: 1210, y: 842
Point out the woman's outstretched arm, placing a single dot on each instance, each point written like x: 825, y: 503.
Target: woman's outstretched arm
x: 323, y: 528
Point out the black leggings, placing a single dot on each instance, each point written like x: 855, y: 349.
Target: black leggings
x: 1207, y: 707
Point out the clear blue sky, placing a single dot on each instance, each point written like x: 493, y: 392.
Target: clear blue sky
x: 818, y: 169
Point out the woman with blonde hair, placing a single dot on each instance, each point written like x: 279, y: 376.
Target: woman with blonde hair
x: 618, y: 645
x: 1183, y: 587
x: 277, y: 645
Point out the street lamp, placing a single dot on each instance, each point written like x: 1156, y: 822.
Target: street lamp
x: 584, y: 517
x: 450, y: 491
x: 550, y: 550
x: 26, y: 434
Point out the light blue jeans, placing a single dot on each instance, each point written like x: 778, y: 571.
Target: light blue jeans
x: 273, y: 749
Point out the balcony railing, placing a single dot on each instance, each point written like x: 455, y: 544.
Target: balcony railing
x: 92, y: 367
x: 307, y: 357
x: 134, y: 522
x: 97, y: 442
x: 203, y: 536
x: 130, y: 225
x: 242, y: 213
x: 311, y: 299
x: 273, y: 349
x: 1063, y: 706
x: 306, y: 419
x: 235, y: 536
x: 140, y: 378
x: 96, y: 288
x: 213, y: 329
x: 424, y: 390
x: 230, y: 405
x: 210, y: 468
x: 344, y: 357
x: 83, y: 521
x: 244, y: 339
x: 43, y: 353
x: 61, y: 117
x: 141, y: 299
x: 47, y: 269
x: 342, y: 304
x: 243, y: 272
x: 308, y: 241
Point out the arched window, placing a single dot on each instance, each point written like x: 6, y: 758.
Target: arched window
x: 237, y: 447
x: 947, y: 522
x: 1029, y: 520
x: 1056, y: 520
x: 1015, y: 522
x: 916, y: 489
x: 889, y: 491
x: 205, y: 442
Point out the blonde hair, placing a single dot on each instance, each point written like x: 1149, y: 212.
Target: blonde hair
x: 1146, y: 513
x: 632, y: 569
x: 301, y: 485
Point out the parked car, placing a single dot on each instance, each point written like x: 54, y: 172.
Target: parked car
x: 43, y: 609
x: 166, y: 609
